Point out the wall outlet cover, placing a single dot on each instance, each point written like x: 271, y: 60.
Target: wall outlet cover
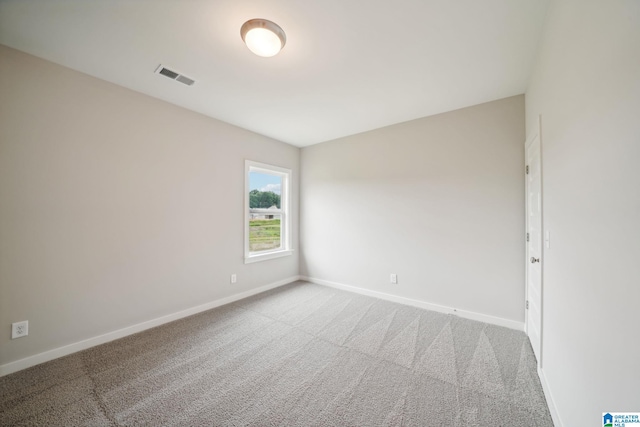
x: 19, y: 329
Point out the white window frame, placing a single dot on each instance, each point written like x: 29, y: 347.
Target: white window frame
x: 284, y: 212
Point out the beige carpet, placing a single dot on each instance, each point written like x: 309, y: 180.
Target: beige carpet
x: 300, y: 355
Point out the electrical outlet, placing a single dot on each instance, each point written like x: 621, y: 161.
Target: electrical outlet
x: 234, y: 278
x: 19, y: 329
x: 394, y: 278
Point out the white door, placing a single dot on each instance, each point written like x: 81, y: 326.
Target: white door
x: 534, y: 245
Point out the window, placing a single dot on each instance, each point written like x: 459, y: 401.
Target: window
x: 267, y: 221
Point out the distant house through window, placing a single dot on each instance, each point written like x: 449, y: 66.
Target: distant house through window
x: 267, y: 222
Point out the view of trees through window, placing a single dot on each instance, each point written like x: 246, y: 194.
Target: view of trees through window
x: 263, y: 199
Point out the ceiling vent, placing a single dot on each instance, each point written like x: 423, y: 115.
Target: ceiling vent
x: 174, y: 76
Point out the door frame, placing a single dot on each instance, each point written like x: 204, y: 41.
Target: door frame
x: 536, y: 133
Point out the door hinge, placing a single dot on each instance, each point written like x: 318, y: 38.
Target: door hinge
x: 527, y: 237
x: 527, y: 304
x: 527, y: 169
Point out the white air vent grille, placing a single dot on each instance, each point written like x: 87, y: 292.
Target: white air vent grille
x: 174, y: 75
x: 185, y: 80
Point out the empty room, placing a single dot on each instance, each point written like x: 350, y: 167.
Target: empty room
x: 336, y: 213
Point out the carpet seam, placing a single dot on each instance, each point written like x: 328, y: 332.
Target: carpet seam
x: 96, y: 396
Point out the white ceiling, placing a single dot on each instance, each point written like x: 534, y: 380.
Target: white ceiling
x: 348, y: 66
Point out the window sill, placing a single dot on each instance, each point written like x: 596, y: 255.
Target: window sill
x: 269, y: 255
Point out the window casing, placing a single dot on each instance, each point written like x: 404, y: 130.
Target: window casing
x: 266, y: 238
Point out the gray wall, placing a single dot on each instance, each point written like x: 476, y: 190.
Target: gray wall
x: 586, y: 86
x: 438, y: 201
x: 116, y: 208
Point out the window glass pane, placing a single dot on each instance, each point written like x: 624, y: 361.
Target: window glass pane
x: 264, y: 190
x: 265, y: 228
x: 265, y: 231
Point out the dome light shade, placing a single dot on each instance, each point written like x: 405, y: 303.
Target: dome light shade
x: 262, y: 37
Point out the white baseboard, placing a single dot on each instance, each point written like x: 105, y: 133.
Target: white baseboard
x: 512, y: 324
x: 46, y: 356
x: 555, y: 416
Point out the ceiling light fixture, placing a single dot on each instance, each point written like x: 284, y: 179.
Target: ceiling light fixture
x: 262, y: 37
